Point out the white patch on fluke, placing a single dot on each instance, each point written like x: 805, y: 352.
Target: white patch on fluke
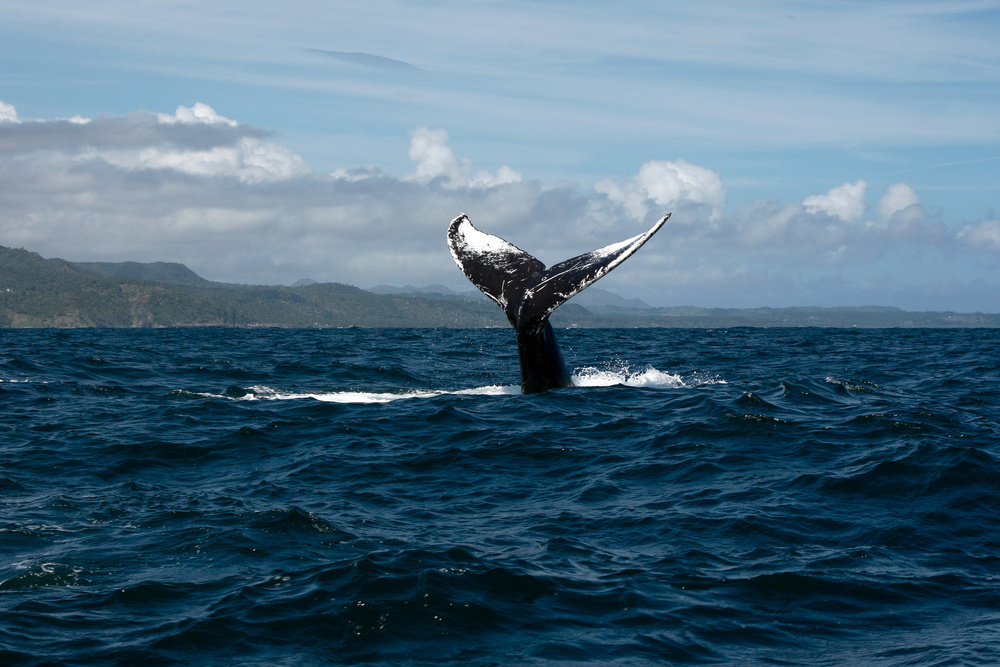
x: 583, y: 263
x: 481, y: 243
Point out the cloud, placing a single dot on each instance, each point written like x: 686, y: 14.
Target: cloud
x: 981, y: 235
x: 196, y: 187
x: 897, y: 198
x: 197, y: 114
x: 436, y: 160
x: 429, y: 149
x: 248, y: 160
x: 203, y: 130
x: 8, y: 114
x: 902, y: 216
x: 368, y: 60
x: 667, y: 184
x: 846, y: 202
x: 194, y: 140
x: 833, y: 229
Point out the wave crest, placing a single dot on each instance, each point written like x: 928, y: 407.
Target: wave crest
x: 609, y: 376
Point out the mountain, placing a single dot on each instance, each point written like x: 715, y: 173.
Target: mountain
x: 595, y: 297
x: 435, y: 291
x: 410, y: 289
x: 592, y: 297
x: 170, y: 273
x: 38, y: 292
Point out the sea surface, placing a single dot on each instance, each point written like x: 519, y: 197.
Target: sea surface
x: 320, y: 497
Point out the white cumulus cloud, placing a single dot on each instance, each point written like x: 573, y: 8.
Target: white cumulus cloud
x: 897, y: 197
x: 846, y: 202
x: 435, y: 159
x: 8, y: 114
x: 198, y: 114
x: 671, y: 182
x: 982, y: 235
x: 900, y: 213
x: 667, y: 184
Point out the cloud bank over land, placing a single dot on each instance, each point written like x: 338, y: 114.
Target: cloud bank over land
x: 231, y: 202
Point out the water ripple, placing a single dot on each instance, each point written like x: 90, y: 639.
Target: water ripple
x: 270, y: 497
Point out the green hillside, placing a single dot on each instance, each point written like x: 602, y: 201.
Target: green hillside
x: 171, y: 273
x: 38, y: 292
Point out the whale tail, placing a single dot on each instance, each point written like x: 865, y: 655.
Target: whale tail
x: 528, y: 292
x: 521, y: 285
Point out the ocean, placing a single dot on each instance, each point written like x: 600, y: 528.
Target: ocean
x: 214, y: 496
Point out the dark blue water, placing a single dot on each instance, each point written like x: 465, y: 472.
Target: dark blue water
x: 316, y: 497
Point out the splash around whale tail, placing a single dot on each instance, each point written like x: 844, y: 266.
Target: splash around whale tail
x: 523, y: 287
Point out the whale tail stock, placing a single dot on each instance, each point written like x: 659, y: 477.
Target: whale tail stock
x: 528, y: 292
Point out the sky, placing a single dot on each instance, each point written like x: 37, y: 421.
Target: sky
x: 811, y: 153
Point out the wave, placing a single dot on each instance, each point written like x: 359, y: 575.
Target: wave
x: 618, y: 374
x: 268, y: 393
x: 826, y: 498
x: 265, y: 393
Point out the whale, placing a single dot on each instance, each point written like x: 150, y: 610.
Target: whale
x: 528, y: 292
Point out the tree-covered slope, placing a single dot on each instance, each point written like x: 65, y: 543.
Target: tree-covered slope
x: 38, y: 292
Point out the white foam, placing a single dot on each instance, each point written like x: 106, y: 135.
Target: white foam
x: 649, y: 377
x: 617, y: 374
x: 624, y: 375
x: 264, y: 393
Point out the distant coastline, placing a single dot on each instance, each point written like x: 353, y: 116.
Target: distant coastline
x: 39, y: 292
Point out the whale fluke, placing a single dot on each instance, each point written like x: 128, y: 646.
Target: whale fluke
x: 528, y: 292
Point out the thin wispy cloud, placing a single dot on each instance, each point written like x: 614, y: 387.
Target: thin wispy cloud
x: 369, y: 60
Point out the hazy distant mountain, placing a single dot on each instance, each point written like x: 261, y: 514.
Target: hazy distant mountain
x: 435, y: 291
x: 410, y: 289
x: 594, y: 297
x: 303, y: 282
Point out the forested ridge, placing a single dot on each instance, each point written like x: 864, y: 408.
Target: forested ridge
x: 38, y: 292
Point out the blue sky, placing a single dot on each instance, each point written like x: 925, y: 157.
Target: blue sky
x: 812, y: 153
